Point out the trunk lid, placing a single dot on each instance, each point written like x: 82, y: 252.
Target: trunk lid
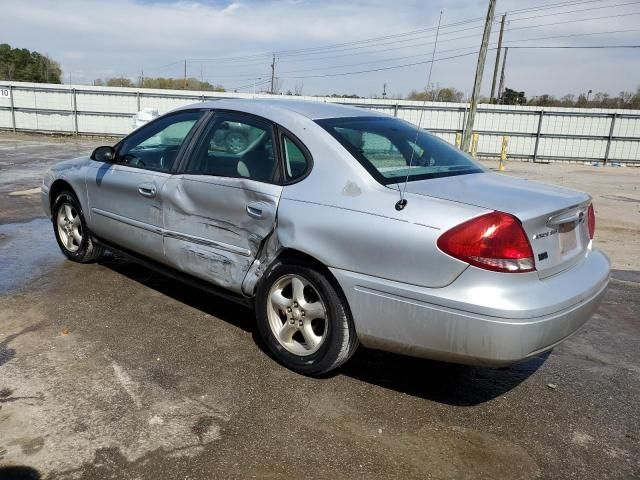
x: 554, y: 218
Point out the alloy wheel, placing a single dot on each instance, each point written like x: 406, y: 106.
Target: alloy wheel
x: 297, y: 315
x: 69, y: 227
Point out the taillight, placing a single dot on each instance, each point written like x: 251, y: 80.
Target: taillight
x: 591, y: 221
x: 494, y: 241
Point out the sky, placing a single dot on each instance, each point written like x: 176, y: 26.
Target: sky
x: 232, y: 42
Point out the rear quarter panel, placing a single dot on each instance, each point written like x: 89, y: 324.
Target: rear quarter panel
x: 341, y: 216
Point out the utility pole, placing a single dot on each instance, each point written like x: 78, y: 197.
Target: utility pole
x: 273, y: 74
x: 501, y: 87
x: 184, y: 86
x: 384, y: 91
x: 142, y: 78
x: 468, y: 129
x: 495, y: 70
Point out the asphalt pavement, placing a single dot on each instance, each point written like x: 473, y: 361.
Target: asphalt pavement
x: 111, y: 371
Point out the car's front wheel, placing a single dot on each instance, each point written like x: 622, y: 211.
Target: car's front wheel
x: 304, y: 320
x: 71, y: 230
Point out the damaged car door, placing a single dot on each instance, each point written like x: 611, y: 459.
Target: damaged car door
x: 222, y: 202
x: 124, y: 195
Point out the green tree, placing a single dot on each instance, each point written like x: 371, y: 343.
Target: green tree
x: 449, y: 95
x: 635, y: 100
x: 23, y: 65
x: 161, y: 83
x: 119, y: 82
x: 437, y: 94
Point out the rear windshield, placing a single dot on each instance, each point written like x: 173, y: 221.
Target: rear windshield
x: 392, y: 149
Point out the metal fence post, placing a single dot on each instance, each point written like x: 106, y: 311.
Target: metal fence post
x: 503, y: 153
x: 395, y: 110
x: 138, y: 101
x: 613, y: 124
x: 75, y: 111
x: 535, y: 149
x: 13, y: 109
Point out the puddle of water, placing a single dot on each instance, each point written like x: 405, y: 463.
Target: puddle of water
x: 27, y: 250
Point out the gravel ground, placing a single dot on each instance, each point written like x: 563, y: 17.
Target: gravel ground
x: 112, y: 371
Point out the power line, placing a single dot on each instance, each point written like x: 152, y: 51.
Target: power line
x: 374, y: 40
x: 576, y: 46
x: 384, y: 68
x: 455, y: 50
x: 378, y: 50
x: 431, y: 29
x: 373, y: 44
x: 453, y: 57
x: 252, y: 85
x: 571, y: 35
x: 628, y: 14
x: 247, y: 76
x: 573, y: 11
x: 551, y: 6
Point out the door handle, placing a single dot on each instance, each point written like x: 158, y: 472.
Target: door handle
x: 254, y: 211
x: 147, y: 190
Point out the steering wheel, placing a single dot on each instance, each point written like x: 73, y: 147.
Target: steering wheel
x: 133, y: 161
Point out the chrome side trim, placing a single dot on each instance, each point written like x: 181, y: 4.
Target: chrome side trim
x: 175, y: 235
x: 134, y: 223
x: 206, y: 242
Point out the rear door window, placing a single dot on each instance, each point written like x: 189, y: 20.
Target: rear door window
x: 295, y: 160
x: 235, y: 146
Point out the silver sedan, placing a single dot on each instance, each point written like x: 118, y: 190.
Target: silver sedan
x: 341, y: 226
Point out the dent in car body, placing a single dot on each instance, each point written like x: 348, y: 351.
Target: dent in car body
x: 405, y: 294
x: 213, y: 211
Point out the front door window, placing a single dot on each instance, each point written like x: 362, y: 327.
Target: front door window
x: 155, y: 146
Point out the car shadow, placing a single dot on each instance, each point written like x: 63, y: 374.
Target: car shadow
x: 437, y: 381
x: 231, y: 312
x: 448, y: 383
x: 18, y: 472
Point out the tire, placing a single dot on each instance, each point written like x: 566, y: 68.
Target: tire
x: 295, y: 332
x: 71, y: 231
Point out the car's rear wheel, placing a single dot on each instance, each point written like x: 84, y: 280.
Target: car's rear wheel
x: 71, y: 231
x: 304, y: 320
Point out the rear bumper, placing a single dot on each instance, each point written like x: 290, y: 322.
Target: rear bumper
x: 482, y: 318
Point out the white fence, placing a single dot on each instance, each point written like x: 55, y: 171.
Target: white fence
x: 536, y: 133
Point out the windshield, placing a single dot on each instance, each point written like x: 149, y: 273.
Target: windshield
x: 385, y: 146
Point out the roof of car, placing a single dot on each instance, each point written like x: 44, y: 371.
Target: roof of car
x: 314, y: 110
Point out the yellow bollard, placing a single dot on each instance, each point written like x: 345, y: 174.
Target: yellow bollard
x: 458, y: 139
x: 503, y: 153
x: 474, y: 145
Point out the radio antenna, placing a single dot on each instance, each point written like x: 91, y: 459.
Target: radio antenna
x: 403, y: 202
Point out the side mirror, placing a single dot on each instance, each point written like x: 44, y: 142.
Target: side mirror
x: 105, y: 154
